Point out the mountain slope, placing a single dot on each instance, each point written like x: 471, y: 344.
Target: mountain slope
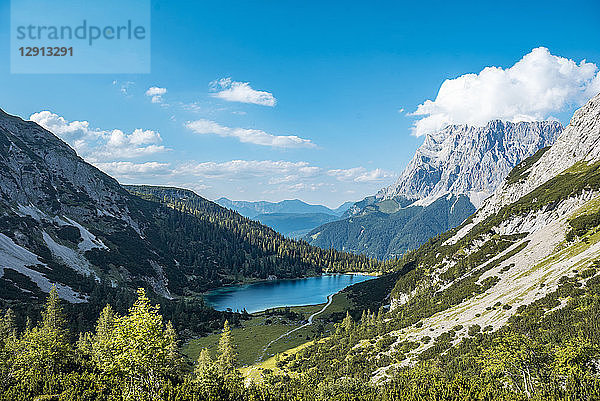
x: 458, y: 161
x: 64, y: 222
x: 387, y: 229
x: 527, y: 249
x: 526, y: 265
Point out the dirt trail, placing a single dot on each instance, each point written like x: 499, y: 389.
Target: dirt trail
x: 308, y: 323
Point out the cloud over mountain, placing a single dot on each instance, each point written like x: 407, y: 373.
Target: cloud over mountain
x: 95, y: 144
x: 534, y: 88
x: 360, y: 174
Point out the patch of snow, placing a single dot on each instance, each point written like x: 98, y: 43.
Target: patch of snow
x: 90, y: 241
x: 18, y: 258
x: 102, y: 213
x: 30, y: 211
x: 159, y: 285
x: 68, y: 256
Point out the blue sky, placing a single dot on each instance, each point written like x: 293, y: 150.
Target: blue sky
x: 306, y: 96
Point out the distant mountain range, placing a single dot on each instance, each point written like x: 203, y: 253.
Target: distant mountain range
x: 253, y: 209
x: 448, y: 178
x: 293, y: 218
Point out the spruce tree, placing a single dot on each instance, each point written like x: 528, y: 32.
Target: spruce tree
x: 227, y: 354
x: 44, y: 349
x: 8, y: 327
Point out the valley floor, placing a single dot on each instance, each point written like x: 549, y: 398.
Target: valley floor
x: 267, y: 334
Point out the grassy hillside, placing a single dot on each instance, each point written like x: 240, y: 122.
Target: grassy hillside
x: 461, y: 296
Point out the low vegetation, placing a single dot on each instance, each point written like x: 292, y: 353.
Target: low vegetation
x: 543, y: 354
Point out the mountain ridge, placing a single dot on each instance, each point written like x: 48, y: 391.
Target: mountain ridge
x: 254, y: 208
x: 293, y: 218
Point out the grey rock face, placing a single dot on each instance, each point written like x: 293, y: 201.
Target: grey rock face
x: 468, y: 160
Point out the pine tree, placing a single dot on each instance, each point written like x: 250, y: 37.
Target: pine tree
x: 44, y: 349
x: 206, y: 371
x: 8, y: 327
x: 53, y: 317
x: 102, y: 346
x: 8, y: 337
x: 348, y: 323
x: 106, y: 322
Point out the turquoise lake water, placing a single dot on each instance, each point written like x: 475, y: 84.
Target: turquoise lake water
x: 277, y: 293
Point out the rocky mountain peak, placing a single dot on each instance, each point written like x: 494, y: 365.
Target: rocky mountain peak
x: 463, y: 159
x: 38, y: 168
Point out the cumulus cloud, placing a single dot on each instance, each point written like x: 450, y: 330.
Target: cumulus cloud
x: 234, y: 91
x: 95, y: 144
x: 254, y: 136
x: 61, y: 127
x: 156, y: 94
x: 279, y: 177
x: 534, y: 88
x: 360, y: 174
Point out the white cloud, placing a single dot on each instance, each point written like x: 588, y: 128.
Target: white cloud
x: 360, y: 174
x: 61, y: 127
x: 100, y: 145
x: 254, y: 136
x: 303, y: 186
x: 156, y: 94
x: 233, y: 91
x: 242, y: 169
x: 279, y: 178
x: 126, y: 168
x: 276, y: 178
x: 535, y: 87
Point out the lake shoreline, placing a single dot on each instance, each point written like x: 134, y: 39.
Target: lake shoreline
x: 251, y: 281
x: 290, y: 292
